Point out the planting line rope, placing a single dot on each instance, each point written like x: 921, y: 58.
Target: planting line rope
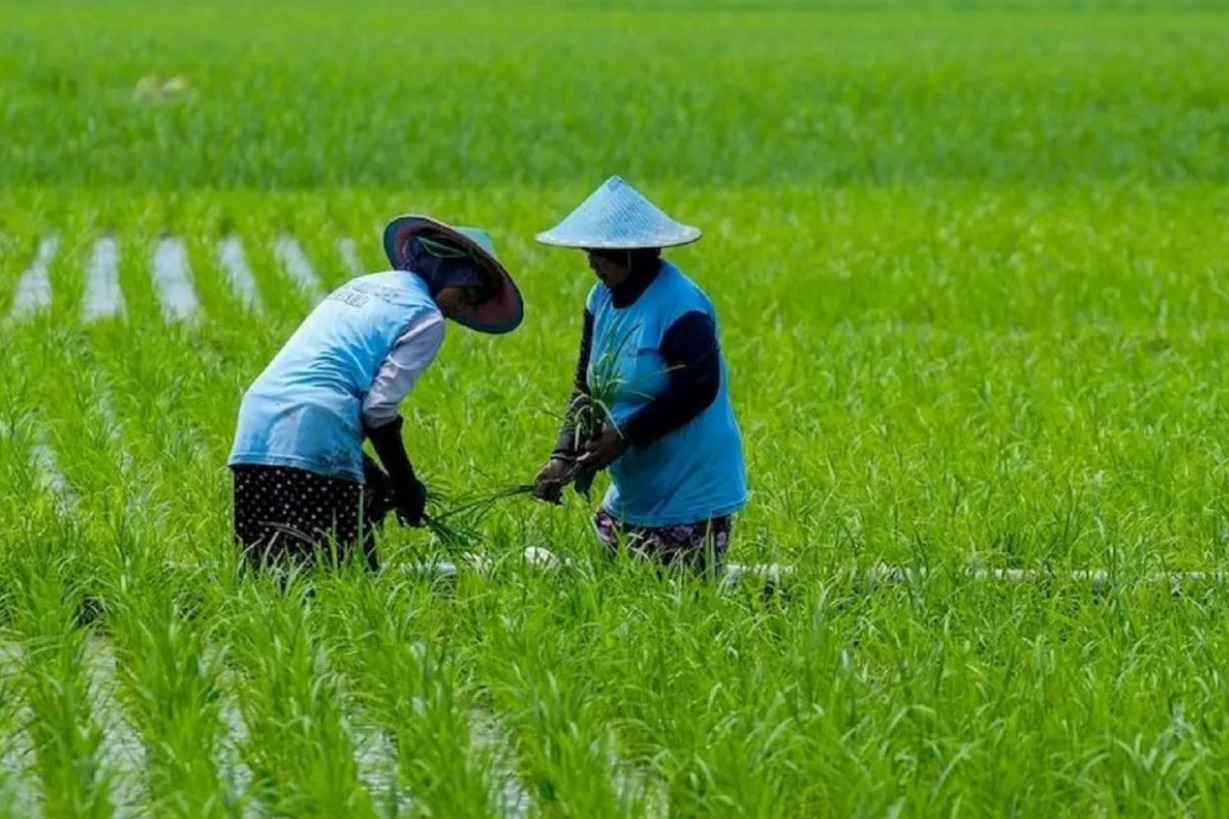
x: 1099, y: 579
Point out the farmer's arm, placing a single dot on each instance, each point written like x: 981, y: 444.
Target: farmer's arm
x: 565, y: 448
x: 690, y: 350
x: 410, y: 357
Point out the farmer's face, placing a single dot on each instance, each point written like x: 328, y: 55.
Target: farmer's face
x: 453, y: 301
x: 610, y: 272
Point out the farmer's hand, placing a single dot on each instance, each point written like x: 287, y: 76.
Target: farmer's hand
x: 410, y: 503
x: 548, y: 483
x: 604, y: 451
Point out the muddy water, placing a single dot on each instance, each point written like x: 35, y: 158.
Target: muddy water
x: 103, y: 296
x: 290, y: 254
x: 34, y: 288
x: 173, y: 279
x: 349, y: 257
x: 234, y: 261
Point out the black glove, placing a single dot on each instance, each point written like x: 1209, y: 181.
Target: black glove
x: 408, y: 494
x: 410, y: 503
x: 377, y: 491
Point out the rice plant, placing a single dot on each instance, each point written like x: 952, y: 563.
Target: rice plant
x: 969, y: 264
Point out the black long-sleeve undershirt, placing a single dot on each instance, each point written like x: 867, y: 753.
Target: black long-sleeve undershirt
x: 690, y: 351
x: 565, y: 447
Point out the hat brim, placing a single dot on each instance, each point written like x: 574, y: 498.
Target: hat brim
x: 503, y: 312
x: 684, y: 237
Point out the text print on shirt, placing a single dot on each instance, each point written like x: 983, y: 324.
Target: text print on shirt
x: 348, y: 297
x: 357, y: 294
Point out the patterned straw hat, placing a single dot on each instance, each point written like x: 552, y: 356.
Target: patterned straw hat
x: 618, y: 217
x: 504, y: 311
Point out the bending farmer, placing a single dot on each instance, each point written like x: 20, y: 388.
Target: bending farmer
x: 301, y: 478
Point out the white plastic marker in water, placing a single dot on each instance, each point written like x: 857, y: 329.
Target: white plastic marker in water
x: 235, y: 262
x: 540, y: 556
x: 349, y: 257
x: 34, y: 289
x: 103, y: 296
x: 290, y: 254
x: 174, y: 279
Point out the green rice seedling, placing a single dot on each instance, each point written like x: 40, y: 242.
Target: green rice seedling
x: 560, y: 718
x: 13, y: 795
x: 412, y: 684
x: 171, y: 674
x: 298, y: 747
x: 970, y: 267
x: 456, y: 528
x: 54, y: 679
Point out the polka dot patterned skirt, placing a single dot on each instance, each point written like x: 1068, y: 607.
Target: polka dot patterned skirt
x: 284, y: 513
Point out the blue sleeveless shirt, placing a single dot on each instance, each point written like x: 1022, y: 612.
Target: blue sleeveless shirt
x: 305, y: 409
x: 694, y: 473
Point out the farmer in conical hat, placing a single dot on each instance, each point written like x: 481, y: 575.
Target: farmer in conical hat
x: 671, y: 441
x: 301, y: 478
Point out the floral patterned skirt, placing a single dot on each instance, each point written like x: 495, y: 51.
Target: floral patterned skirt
x: 697, y: 546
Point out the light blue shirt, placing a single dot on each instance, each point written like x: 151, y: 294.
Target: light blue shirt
x: 306, y: 409
x: 694, y: 473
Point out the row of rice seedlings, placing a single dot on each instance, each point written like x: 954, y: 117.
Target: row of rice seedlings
x: 89, y: 442
x: 170, y: 675
x: 88, y: 540
x: 71, y: 758
x: 153, y: 392
x: 558, y: 721
x: 411, y: 686
x: 694, y: 697
x: 298, y: 746
x: 115, y: 518
x: 82, y: 428
x: 18, y: 488
x: 1008, y: 109
x: 14, y: 795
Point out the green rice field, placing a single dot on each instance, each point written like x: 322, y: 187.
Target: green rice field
x: 971, y: 262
